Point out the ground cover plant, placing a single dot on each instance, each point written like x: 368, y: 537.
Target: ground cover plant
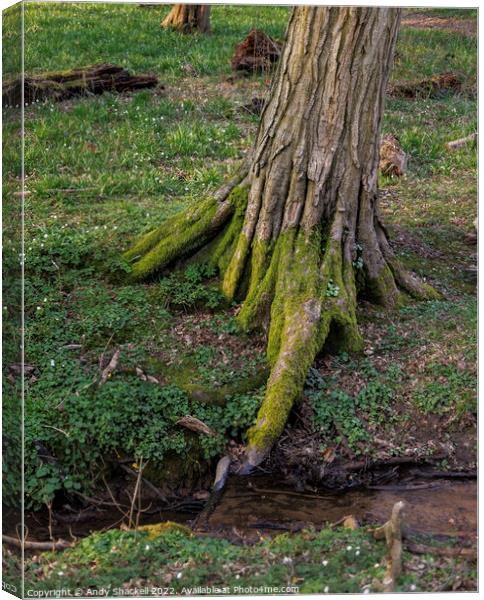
x: 101, y: 170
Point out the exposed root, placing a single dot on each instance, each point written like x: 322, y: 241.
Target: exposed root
x: 184, y: 234
x: 301, y: 287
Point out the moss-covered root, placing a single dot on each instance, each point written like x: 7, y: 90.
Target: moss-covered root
x: 184, y: 234
x: 305, y: 308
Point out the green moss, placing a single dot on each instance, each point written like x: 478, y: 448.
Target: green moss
x: 175, y: 239
x: 262, y: 286
x: 155, y: 530
x: 184, y: 376
x: 224, y: 249
x: 382, y: 289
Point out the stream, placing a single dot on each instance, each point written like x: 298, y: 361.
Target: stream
x: 260, y: 505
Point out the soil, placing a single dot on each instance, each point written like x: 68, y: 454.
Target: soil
x: 466, y: 27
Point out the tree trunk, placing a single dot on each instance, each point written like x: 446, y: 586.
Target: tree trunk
x: 297, y: 235
x: 188, y: 18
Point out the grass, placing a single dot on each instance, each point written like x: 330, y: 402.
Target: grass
x: 104, y: 169
x: 331, y: 560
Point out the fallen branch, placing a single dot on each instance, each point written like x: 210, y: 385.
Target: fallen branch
x: 218, y: 487
x: 472, y: 138
x: 31, y: 545
x: 450, y: 552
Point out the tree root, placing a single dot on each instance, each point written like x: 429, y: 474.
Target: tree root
x: 300, y: 286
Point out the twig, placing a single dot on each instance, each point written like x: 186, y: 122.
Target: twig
x: 56, y: 429
x: 148, y: 483
x: 113, y: 363
x: 111, y: 495
x: 136, y: 492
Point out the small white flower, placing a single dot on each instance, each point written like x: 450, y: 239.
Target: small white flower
x: 52, y: 362
x: 147, y: 547
x: 376, y: 565
x: 287, y: 560
x: 179, y: 575
x: 46, y: 235
x: 413, y: 587
x: 349, y: 548
x: 39, y: 308
x: 45, y: 299
x: 60, y: 573
x: 326, y: 590
x: 324, y: 563
x: 357, y: 553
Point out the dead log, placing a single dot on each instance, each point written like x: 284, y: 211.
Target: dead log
x: 258, y: 52
x: 428, y: 87
x: 57, y: 86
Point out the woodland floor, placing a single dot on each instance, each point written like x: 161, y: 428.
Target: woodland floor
x: 102, y: 170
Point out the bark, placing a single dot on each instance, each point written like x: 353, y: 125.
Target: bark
x: 188, y: 18
x: 297, y: 235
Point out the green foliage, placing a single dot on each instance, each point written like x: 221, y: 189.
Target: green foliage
x: 186, y: 290
x: 336, y: 413
x: 71, y: 435
x: 449, y: 388
x: 333, y: 560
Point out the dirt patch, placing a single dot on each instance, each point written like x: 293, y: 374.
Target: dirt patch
x: 429, y: 87
x: 62, y: 85
x: 466, y: 27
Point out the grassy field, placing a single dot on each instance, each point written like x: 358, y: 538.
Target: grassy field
x: 102, y: 170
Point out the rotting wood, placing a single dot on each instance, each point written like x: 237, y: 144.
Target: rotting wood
x: 61, y: 85
x: 196, y: 425
x: 256, y: 53
x: 416, y: 548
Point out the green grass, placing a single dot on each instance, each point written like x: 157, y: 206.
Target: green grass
x: 331, y: 560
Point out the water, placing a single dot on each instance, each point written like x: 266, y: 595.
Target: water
x: 254, y: 505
